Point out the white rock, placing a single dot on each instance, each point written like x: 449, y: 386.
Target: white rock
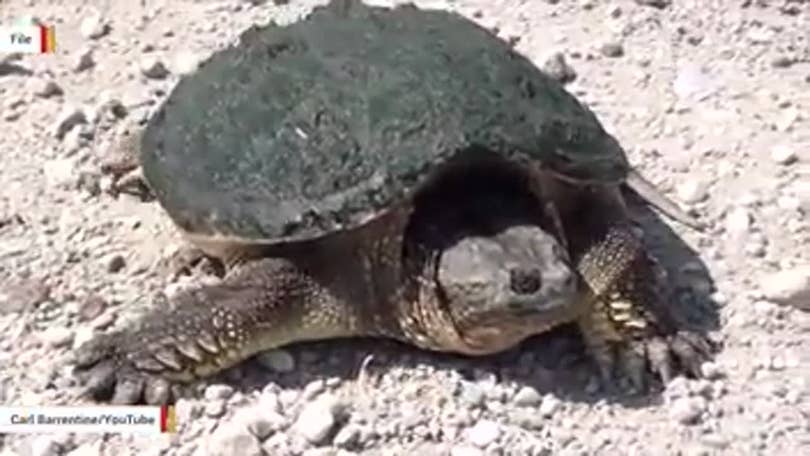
x: 687, y: 410
x: 230, y: 439
x: 93, y: 26
x: 82, y: 335
x: 783, y: 154
x: 60, y: 172
x: 789, y: 203
x: 527, y: 396
x: 348, y: 436
x: 549, y: 406
x: 483, y: 433
x: 317, y: 419
x: 692, y: 191
x: 269, y: 401
x: 738, y: 221
x: 185, y: 62
x: 218, y: 391
x: 277, y: 360
x: 789, y: 287
x: 786, y: 119
x: 693, y: 82
x: 711, y: 370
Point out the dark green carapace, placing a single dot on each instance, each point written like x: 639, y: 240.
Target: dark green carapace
x: 316, y: 126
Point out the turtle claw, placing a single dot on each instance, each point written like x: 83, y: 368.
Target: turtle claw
x: 639, y: 363
x: 107, y: 373
x: 691, y: 350
x: 660, y: 359
x: 633, y: 364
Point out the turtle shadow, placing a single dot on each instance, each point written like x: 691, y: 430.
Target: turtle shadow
x: 554, y: 362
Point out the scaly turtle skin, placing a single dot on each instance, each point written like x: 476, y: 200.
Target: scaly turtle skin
x: 390, y: 172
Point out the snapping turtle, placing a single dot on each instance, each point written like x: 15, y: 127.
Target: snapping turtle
x: 388, y: 172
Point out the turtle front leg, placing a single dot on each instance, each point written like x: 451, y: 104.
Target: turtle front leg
x: 260, y: 305
x: 630, y: 325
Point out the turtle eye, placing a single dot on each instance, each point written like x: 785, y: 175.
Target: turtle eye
x: 525, y: 281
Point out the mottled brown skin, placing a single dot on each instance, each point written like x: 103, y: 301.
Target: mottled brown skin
x: 437, y: 278
x: 629, y: 325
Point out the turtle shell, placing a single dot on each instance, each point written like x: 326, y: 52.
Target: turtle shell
x: 298, y: 131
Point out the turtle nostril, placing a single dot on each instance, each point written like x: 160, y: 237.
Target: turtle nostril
x: 525, y: 281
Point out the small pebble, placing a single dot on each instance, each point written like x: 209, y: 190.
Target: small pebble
x: 218, y: 391
x: 612, y: 49
x: 711, y: 370
x: 91, y: 307
x: 527, y: 396
x: 783, y: 154
x: 558, y: 68
x: 82, y: 335
x: 115, y: 263
x: 483, y: 433
x: 686, y: 410
x: 153, y: 68
x: 473, y: 394
x: 782, y: 61
x: 347, y: 437
x: 692, y: 191
x: 317, y: 419
x: 693, y: 82
x: 738, y: 221
x: 549, y: 406
x: 84, y: 60
x: 93, y: 26
x: 185, y: 63
x: 277, y: 360
x: 788, y: 287
x: 45, y: 88
x: 661, y: 4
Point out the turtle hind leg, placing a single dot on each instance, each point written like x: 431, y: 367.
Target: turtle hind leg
x: 630, y: 326
x: 263, y: 304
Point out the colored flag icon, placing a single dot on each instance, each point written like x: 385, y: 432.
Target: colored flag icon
x: 27, y: 38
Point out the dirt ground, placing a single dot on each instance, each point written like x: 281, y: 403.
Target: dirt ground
x: 711, y: 98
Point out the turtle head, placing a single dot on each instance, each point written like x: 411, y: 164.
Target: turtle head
x: 503, y: 288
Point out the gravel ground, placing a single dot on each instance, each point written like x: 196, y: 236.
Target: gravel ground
x: 711, y: 99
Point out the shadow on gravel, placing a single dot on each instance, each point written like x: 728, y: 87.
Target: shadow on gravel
x: 554, y: 362
x: 9, y: 69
